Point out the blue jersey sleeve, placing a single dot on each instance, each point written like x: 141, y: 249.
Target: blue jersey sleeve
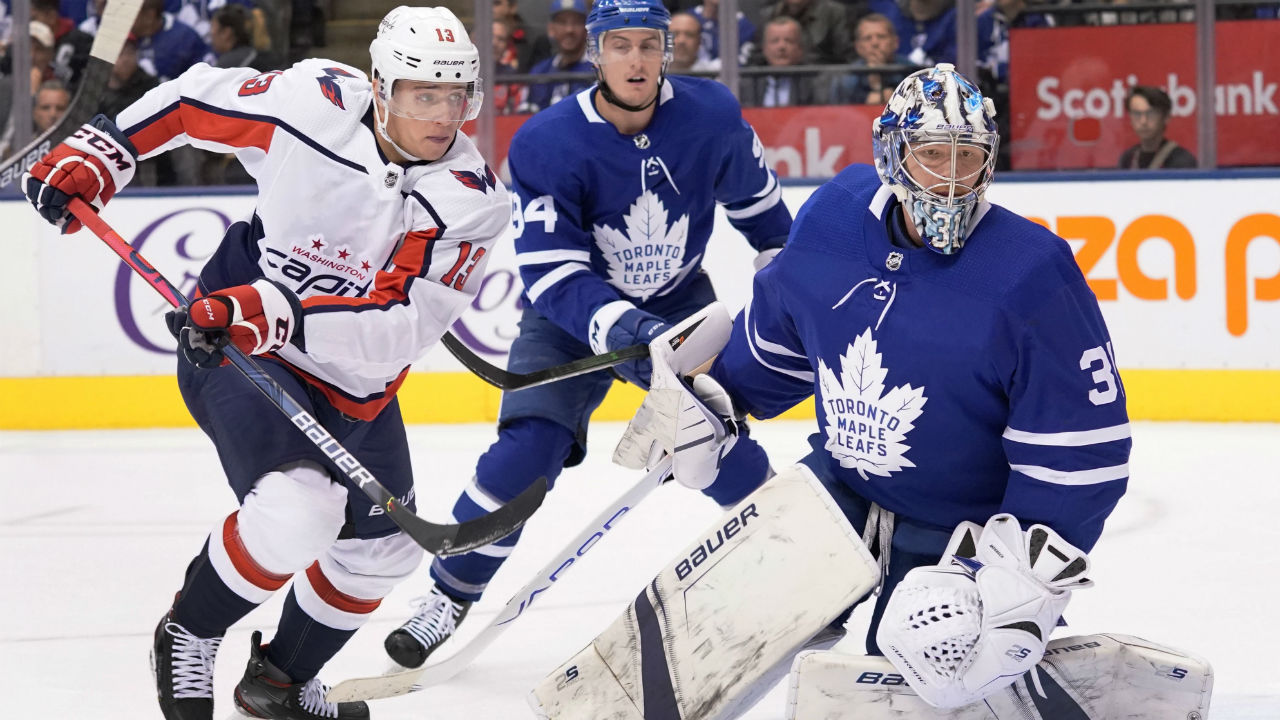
x: 764, y: 367
x: 1067, y: 437
x: 748, y: 188
x: 553, y: 248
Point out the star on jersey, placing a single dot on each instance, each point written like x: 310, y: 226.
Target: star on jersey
x: 649, y: 254
x: 867, y: 427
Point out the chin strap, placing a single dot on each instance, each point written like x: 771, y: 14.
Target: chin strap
x: 612, y: 99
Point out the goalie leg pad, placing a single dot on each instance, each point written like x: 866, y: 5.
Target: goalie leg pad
x: 1089, y: 677
x: 702, y: 639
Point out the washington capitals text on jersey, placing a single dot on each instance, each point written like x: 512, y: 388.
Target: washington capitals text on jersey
x: 611, y: 218
x: 948, y: 388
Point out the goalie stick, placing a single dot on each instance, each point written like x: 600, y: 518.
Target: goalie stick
x: 500, y: 378
x: 117, y: 19
x: 434, y: 673
x: 438, y: 539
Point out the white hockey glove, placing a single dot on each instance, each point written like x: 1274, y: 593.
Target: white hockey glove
x: 690, y: 419
x: 965, y: 628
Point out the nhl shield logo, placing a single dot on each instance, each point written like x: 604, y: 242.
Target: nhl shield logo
x: 641, y: 141
x: 894, y: 261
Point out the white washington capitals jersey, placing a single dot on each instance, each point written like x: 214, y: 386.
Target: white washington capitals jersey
x: 948, y: 388
x: 605, y: 216
x: 384, y: 257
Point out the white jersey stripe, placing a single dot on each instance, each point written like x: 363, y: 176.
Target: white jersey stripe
x: 545, y: 282
x: 1069, y: 439
x: 761, y: 205
x: 1076, y: 477
x: 553, y: 256
x: 755, y: 338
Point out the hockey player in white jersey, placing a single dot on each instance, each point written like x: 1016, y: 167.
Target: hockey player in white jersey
x: 617, y: 189
x: 368, y: 239
x: 963, y: 377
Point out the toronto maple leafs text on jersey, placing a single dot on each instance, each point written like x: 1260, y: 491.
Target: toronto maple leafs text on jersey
x: 615, y: 216
x: 384, y: 257
x: 948, y: 388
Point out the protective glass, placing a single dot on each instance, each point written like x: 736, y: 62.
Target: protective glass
x: 437, y: 102
x: 628, y: 45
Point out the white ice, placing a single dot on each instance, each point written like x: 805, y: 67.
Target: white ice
x: 96, y: 529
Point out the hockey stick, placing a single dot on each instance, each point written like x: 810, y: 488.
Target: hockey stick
x: 117, y: 19
x: 500, y: 378
x: 441, y: 540
x: 434, y: 673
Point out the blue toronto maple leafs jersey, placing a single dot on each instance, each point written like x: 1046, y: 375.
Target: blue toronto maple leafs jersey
x: 948, y: 388
x: 604, y: 216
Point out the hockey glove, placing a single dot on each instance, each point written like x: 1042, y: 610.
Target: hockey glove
x: 93, y: 164
x: 619, y: 325
x: 257, y: 318
x: 968, y: 627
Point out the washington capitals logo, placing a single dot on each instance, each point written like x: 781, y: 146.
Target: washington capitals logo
x: 482, y: 180
x: 329, y: 85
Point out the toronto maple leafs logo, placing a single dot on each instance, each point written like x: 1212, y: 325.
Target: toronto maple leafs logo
x: 329, y: 85
x: 647, y: 254
x: 482, y: 179
x: 866, y: 426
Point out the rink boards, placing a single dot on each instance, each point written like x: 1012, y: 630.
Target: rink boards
x: 1187, y: 272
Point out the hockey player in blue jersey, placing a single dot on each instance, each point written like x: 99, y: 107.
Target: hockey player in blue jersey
x: 963, y: 376
x: 617, y: 188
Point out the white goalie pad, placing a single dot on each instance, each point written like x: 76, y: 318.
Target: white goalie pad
x: 708, y: 635
x: 1088, y: 677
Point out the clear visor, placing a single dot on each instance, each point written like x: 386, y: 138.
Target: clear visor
x: 950, y: 167
x: 644, y: 45
x: 436, y: 102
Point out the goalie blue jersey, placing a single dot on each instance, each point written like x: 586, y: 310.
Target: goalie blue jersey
x: 612, y: 217
x: 948, y: 388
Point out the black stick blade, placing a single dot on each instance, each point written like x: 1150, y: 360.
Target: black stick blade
x: 446, y: 540
x: 505, y: 380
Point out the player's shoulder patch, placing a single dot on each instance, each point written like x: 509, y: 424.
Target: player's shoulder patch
x: 481, y: 179
x: 327, y: 83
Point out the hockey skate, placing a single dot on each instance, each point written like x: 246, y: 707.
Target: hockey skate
x: 266, y: 692
x: 435, y: 619
x: 183, y: 667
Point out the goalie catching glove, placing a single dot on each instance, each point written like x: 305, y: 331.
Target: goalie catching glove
x: 257, y: 318
x: 93, y: 164
x: 971, y: 625
x: 689, y: 418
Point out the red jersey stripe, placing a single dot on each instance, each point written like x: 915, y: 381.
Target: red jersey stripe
x: 199, y: 123
x: 248, y: 568
x: 334, y: 597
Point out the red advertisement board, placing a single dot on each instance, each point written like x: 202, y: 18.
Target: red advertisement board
x: 800, y: 141
x: 1068, y: 85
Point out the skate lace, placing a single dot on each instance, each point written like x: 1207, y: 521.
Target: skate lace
x: 312, y: 699
x: 192, y: 662
x: 435, y: 618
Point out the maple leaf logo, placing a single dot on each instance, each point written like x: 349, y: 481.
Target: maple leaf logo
x: 867, y: 427
x: 647, y: 255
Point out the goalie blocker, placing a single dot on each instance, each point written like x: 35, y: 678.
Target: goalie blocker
x: 1090, y: 677
x: 706, y: 638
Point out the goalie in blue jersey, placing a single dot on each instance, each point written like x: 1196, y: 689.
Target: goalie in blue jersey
x: 616, y: 189
x: 963, y: 377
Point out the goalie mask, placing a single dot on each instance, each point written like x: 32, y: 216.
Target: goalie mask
x: 935, y: 146
x: 612, y: 15
x: 429, y: 48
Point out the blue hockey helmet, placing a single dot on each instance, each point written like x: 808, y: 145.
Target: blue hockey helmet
x: 609, y: 15
x: 935, y: 146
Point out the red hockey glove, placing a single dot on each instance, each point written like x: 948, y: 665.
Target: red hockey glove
x: 93, y: 164
x: 257, y: 318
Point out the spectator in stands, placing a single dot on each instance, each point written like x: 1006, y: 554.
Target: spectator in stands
x: 929, y: 26
x: 708, y: 14
x: 686, y: 45
x: 41, y: 53
x: 506, y: 96
x: 127, y: 82
x: 568, y: 30
x: 47, y: 12
x: 531, y: 48
x: 166, y: 47
x: 783, y: 45
x: 231, y: 38
x: 49, y: 104
x: 825, y: 26
x: 1149, y: 110
x: 876, y: 43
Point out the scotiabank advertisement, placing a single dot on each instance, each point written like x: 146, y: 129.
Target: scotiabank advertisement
x: 814, y: 142
x: 1068, y: 88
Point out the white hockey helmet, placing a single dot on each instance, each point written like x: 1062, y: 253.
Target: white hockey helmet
x: 428, y: 45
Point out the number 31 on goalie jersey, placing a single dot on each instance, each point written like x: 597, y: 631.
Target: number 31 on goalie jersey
x: 1101, y: 363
